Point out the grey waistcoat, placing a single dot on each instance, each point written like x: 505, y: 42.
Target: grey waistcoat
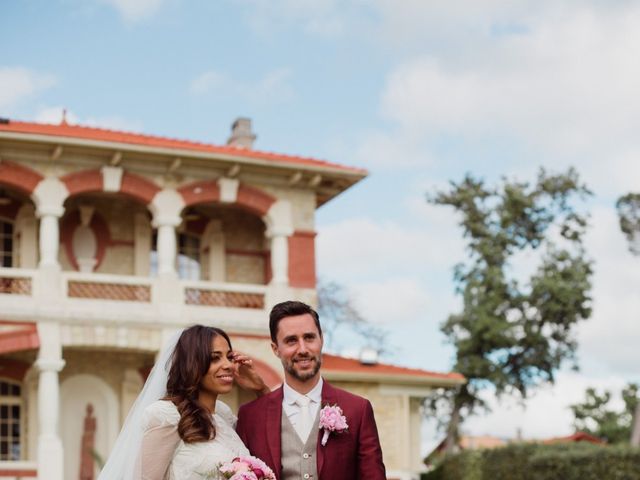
x: 299, y: 460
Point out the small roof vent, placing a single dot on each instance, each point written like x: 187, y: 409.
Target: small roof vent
x: 368, y: 356
x: 241, y: 134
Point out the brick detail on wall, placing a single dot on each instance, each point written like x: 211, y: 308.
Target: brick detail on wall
x: 254, y: 200
x: 139, y: 188
x: 83, y: 182
x: 19, y: 177
x: 205, y: 191
x: 302, y: 259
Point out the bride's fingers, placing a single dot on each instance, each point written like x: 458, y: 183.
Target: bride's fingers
x: 241, y: 359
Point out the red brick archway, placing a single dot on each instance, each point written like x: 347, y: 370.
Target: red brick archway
x: 249, y: 198
x: 19, y: 177
x: 206, y: 191
x: 90, y: 181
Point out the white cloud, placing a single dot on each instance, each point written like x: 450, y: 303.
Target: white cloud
x: 325, y: 18
x: 135, y: 10
x: 562, y: 88
x: 274, y: 86
x: 609, y: 339
x: 207, y: 82
x: 546, y: 414
x: 347, y: 248
x: 401, y: 149
x: 54, y: 115
x: 19, y: 83
x: 391, y: 300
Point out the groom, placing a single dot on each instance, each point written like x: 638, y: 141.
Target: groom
x: 282, y: 427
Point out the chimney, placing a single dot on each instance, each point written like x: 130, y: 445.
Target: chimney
x: 241, y: 134
x: 368, y: 356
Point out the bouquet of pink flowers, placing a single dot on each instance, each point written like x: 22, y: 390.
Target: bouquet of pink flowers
x: 332, y: 420
x: 246, y: 468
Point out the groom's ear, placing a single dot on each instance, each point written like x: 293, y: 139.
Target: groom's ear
x: 274, y: 349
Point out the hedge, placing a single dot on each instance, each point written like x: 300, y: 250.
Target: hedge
x: 610, y: 463
x: 541, y: 462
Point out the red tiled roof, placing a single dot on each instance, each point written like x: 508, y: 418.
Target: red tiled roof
x: 336, y: 363
x: 576, y: 437
x: 105, y: 135
x: 17, y: 336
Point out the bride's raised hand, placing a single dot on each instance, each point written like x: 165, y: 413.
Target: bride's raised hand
x: 246, y: 375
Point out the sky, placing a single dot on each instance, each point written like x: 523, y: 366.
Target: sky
x: 418, y: 93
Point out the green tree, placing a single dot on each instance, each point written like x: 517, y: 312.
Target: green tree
x: 595, y: 416
x: 629, y: 215
x: 511, y: 334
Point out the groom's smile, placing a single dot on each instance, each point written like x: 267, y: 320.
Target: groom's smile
x: 299, y: 347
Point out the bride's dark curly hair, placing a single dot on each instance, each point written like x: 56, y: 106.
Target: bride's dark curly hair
x: 190, y: 362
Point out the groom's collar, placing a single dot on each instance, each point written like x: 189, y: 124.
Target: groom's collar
x: 315, y: 394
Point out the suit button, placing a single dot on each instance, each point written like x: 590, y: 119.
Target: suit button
x: 306, y: 475
x: 306, y: 455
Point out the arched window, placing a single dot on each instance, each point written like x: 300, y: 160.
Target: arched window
x: 6, y: 243
x: 188, y: 256
x: 188, y: 261
x: 10, y: 420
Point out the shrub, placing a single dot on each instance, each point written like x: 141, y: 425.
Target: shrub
x: 610, y: 463
x: 542, y: 462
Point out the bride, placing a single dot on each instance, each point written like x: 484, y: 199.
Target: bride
x: 178, y: 429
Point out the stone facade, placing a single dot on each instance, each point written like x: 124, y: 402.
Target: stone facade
x: 113, y: 241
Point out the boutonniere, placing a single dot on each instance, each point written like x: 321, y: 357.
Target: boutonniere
x: 332, y: 420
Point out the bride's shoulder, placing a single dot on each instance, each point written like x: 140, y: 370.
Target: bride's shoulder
x: 224, y: 411
x: 159, y: 413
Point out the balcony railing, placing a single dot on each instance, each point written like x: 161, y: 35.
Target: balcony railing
x: 224, y: 295
x: 47, y: 294
x: 18, y: 470
x: 107, y: 287
x: 15, y: 281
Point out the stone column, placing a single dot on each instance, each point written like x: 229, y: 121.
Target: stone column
x: 49, y: 363
x: 279, y: 221
x: 279, y: 256
x: 49, y: 196
x: 166, y: 207
x: 167, y: 247
x: 167, y: 291
x: 49, y: 235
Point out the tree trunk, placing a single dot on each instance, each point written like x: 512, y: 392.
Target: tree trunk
x: 451, y: 442
x: 635, y: 428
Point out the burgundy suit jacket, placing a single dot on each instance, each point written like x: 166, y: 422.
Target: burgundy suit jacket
x: 351, y: 455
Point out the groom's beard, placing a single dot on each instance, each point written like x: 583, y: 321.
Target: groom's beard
x: 291, y: 369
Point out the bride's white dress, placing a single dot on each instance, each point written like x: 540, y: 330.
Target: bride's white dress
x: 162, y: 445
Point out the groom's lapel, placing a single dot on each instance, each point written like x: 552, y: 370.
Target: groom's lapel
x: 328, y: 398
x: 274, y: 424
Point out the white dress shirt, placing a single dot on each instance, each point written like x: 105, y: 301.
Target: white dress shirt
x: 292, y: 410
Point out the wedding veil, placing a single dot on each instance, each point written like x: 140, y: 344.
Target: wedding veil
x: 122, y: 460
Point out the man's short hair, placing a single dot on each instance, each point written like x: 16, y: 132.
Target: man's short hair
x: 290, y: 308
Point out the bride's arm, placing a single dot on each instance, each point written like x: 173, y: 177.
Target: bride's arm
x: 158, y: 447
x: 159, y: 443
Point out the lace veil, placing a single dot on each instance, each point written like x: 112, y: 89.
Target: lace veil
x: 122, y: 460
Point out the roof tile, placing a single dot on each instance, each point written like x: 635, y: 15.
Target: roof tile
x: 106, y: 135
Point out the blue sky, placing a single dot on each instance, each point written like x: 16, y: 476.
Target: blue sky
x: 419, y: 93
